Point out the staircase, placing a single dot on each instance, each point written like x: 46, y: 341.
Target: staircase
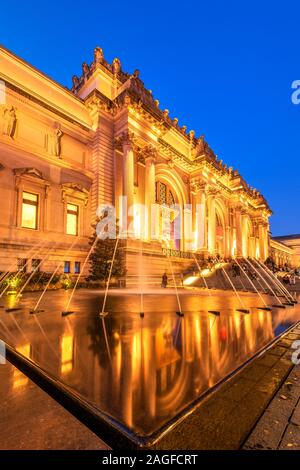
x: 251, y: 277
x: 146, y: 269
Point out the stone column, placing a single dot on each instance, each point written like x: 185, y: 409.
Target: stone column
x: 228, y: 242
x: 267, y: 249
x: 199, y: 216
x: 150, y: 158
x: 127, y: 209
x: 211, y: 235
x: 252, y: 247
x: 262, y: 241
x: 238, y: 226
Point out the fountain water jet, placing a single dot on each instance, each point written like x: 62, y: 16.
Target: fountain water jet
x: 279, y: 285
x: 280, y: 304
x: 142, y: 313
x: 67, y: 311
x: 32, y: 252
x: 179, y: 312
x: 31, y: 275
x: 214, y: 312
x: 46, y: 338
x: 255, y: 288
x: 34, y: 310
x: 243, y: 309
x: 103, y: 313
x: 106, y: 338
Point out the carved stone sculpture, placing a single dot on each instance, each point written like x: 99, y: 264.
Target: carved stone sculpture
x: 53, y: 142
x: 75, y: 81
x: 98, y: 55
x: 85, y: 69
x: 9, y: 122
x: 116, y: 66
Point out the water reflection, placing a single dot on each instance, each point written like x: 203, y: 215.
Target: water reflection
x: 67, y: 353
x: 19, y: 379
x: 142, y: 371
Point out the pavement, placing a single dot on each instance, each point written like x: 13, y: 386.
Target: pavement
x: 31, y: 420
x: 279, y: 426
x: 225, y: 420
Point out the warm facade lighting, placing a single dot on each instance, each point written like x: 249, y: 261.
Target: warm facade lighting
x: 67, y: 353
x: 72, y: 219
x: 29, y: 210
x: 20, y: 380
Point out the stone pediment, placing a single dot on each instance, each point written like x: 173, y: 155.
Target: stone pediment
x: 76, y: 190
x: 29, y: 172
x: 75, y: 187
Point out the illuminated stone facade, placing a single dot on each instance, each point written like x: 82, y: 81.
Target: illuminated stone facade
x: 286, y: 250
x: 104, y: 139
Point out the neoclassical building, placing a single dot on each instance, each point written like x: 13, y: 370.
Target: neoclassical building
x: 64, y: 153
x: 285, y: 250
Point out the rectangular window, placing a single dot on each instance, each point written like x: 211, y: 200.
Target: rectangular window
x: 77, y: 267
x: 67, y: 267
x: 36, y: 265
x: 29, y: 210
x: 72, y: 219
x: 22, y: 264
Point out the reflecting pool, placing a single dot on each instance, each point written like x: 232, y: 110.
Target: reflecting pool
x: 141, y: 371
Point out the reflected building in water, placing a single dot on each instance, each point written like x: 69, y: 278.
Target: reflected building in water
x: 149, y: 370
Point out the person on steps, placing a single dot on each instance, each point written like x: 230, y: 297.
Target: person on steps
x: 164, y: 280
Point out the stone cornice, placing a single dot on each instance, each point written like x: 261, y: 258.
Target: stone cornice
x: 44, y: 105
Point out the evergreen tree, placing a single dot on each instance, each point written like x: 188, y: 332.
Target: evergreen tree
x: 102, y: 255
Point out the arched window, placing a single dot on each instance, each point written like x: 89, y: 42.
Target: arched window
x: 164, y: 195
x: 219, y: 227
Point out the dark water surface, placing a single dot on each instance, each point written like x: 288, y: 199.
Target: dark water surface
x: 141, y: 372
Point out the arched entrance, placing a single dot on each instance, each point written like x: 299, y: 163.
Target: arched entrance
x: 169, y: 223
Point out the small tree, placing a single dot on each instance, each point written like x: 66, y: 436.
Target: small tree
x: 102, y: 256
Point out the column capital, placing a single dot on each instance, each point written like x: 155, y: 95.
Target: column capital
x: 150, y: 154
x: 238, y: 208
x: 212, y: 191
x: 198, y: 186
x: 126, y: 139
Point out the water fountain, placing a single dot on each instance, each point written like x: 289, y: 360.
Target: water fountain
x: 265, y: 307
x: 243, y: 308
x: 279, y: 285
x: 280, y: 304
x: 20, y: 274
x: 142, y: 313
x: 35, y: 309
x: 32, y: 274
x: 179, y: 311
x: 106, y: 338
x: 213, y: 312
x: 67, y: 311
x: 103, y: 313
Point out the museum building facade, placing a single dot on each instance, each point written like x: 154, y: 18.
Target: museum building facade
x: 65, y: 153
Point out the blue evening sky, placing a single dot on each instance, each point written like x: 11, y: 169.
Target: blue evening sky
x: 223, y: 68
